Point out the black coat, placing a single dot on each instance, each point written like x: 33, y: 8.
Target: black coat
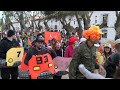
x: 5, y: 45
x: 58, y: 52
x: 34, y: 51
x: 117, y: 37
x: 111, y: 63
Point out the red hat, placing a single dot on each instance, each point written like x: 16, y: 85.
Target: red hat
x: 72, y: 40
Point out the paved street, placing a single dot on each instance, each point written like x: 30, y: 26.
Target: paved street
x: 65, y: 77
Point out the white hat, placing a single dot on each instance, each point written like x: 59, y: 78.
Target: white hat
x: 117, y: 41
x: 82, y: 40
x: 107, y: 45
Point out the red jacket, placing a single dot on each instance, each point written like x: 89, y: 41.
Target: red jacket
x: 69, y: 52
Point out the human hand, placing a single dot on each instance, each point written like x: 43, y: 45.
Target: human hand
x: 102, y: 71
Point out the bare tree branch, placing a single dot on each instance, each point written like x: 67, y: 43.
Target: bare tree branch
x: 16, y: 19
x: 91, y: 14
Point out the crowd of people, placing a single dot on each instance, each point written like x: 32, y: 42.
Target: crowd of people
x: 95, y: 61
x: 90, y: 58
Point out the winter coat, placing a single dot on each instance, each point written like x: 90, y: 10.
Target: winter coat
x: 69, y: 52
x: 5, y: 45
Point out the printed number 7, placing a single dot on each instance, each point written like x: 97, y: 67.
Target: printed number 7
x: 19, y: 53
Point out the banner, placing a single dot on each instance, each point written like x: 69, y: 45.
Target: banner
x: 39, y: 64
x: 51, y: 35
x: 13, y: 55
x: 23, y: 67
x: 61, y: 63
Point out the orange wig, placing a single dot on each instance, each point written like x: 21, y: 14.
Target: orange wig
x: 93, y: 33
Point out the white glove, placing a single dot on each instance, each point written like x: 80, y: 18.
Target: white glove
x: 88, y: 74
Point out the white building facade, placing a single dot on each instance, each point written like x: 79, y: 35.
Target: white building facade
x: 109, y: 17
x: 98, y: 17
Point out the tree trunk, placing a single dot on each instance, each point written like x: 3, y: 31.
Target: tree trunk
x: 11, y: 24
x: 7, y: 22
x: 36, y: 25
x: 117, y: 24
x: 86, y: 20
x: 46, y: 25
x: 66, y: 27
x: 32, y: 25
x: 22, y: 23
x: 79, y: 23
x: 39, y: 26
x: 79, y: 29
x: 2, y: 28
x: 86, y: 26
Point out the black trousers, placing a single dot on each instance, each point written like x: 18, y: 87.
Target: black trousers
x: 110, y: 71
x: 57, y: 77
x: 6, y: 72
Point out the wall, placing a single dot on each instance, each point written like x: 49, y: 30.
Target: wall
x: 111, y: 21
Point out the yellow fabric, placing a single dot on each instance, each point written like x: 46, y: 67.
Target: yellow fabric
x: 100, y: 58
x: 13, y: 55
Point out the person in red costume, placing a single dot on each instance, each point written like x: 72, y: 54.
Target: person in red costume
x: 69, y: 52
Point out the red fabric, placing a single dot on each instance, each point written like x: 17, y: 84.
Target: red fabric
x: 23, y: 66
x: 69, y: 52
x: 44, y: 65
x: 100, y: 49
x: 51, y: 35
x: 29, y: 42
x: 33, y: 43
x: 72, y: 40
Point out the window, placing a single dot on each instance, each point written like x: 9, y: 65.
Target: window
x: 55, y: 26
x: 70, y: 19
x: 105, y: 34
x: 95, y: 19
x: 105, y: 19
x: 74, y: 21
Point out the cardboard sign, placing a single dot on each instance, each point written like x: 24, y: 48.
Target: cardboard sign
x: 51, y: 35
x: 61, y: 63
x: 13, y: 55
x: 39, y: 64
x: 23, y: 67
